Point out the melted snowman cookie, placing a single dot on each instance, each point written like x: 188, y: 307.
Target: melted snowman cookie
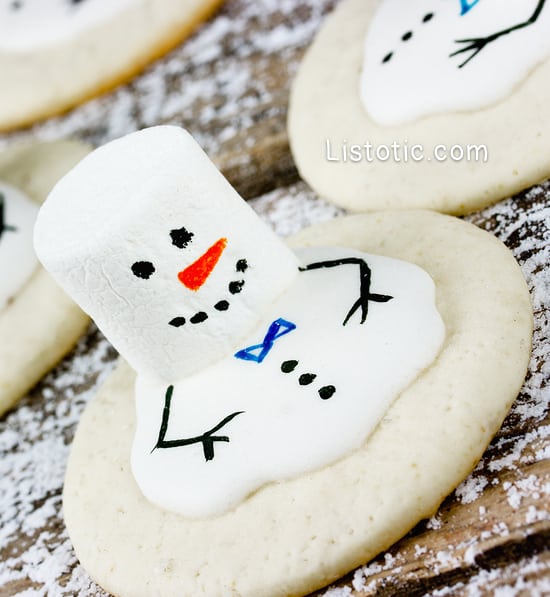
x: 431, y: 103
x: 38, y: 323
x: 280, y: 396
x: 17, y: 257
x: 57, y: 53
x: 430, y: 57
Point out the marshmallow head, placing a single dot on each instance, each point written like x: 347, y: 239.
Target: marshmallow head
x: 150, y: 239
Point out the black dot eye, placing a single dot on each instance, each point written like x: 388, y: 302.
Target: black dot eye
x: 181, y: 237
x: 143, y: 269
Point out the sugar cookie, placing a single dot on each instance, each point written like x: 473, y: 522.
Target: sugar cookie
x: 319, y: 390
x: 427, y: 104
x: 55, y: 54
x: 38, y: 323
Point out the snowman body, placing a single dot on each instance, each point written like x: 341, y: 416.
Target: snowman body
x: 305, y: 389
x: 438, y: 56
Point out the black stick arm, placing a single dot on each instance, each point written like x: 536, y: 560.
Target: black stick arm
x: 365, y: 275
x: 3, y: 225
x: 207, y: 438
x: 476, y: 44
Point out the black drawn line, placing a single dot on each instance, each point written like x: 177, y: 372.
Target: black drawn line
x: 365, y: 280
x: 207, y: 438
x: 477, y: 44
x: 3, y: 226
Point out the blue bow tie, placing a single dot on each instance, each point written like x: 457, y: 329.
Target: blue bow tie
x: 258, y: 352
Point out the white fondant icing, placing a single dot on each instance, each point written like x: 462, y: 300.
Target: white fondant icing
x: 285, y: 428
x: 17, y: 257
x: 28, y: 25
x: 117, y: 208
x: 409, y: 73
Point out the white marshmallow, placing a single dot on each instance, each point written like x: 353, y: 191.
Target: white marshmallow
x: 118, y: 230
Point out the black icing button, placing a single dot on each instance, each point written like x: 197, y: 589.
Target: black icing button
x: 177, y: 322
x: 288, y: 366
x: 327, y: 392
x: 306, y: 378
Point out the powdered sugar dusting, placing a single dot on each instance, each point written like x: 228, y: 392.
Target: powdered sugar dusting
x: 34, y: 446
x: 290, y: 209
x: 229, y: 86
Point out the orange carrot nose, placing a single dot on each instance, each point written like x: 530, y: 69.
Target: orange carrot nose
x: 196, y: 274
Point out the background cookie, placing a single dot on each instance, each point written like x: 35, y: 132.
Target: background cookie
x: 56, y: 53
x: 40, y: 324
x: 229, y: 85
x: 440, y: 153
x: 296, y: 536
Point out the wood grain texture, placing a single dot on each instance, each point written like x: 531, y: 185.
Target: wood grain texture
x: 229, y: 85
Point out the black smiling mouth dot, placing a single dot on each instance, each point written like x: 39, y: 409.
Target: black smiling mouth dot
x: 199, y: 317
x: 177, y: 322
x: 241, y: 266
x: 221, y: 306
x: 236, y: 286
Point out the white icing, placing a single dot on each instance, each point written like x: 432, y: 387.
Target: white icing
x: 118, y: 208
x: 286, y: 429
x: 17, y: 256
x: 29, y: 25
x: 421, y: 78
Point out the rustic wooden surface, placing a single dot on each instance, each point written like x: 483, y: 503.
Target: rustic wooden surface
x: 229, y: 85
